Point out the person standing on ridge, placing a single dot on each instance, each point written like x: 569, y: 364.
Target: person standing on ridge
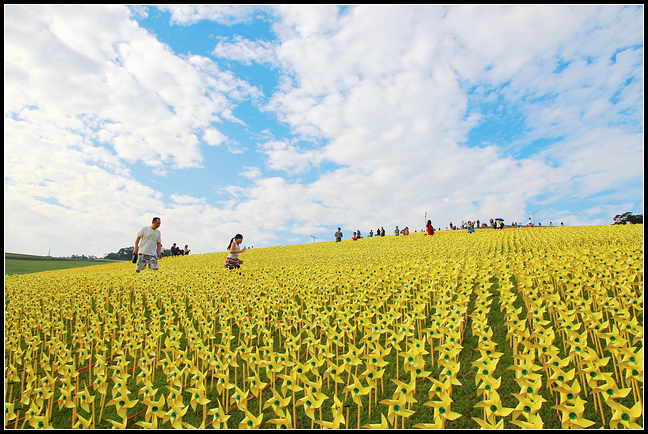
x: 151, y: 248
x: 430, y: 229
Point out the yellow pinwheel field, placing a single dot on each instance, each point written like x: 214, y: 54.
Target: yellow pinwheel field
x: 530, y: 327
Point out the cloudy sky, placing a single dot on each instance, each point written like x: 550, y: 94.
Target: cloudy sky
x: 283, y: 123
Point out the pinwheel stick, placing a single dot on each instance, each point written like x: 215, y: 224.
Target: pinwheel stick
x: 294, y: 413
x: 638, y: 396
x: 103, y: 401
x: 601, y: 408
x: 397, y: 357
x: 358, y: 416
x: 204, y: 413
x: 22, y: 380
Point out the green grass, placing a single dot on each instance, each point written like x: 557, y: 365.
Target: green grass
x: 16, y: 263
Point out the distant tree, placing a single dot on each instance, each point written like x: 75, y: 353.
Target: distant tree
x: 628, y: 217
x: 124, y: 254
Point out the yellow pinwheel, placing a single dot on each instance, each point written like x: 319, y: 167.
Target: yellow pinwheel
x: 338, y: 416
x: 625, y: 416
x: 99, y: 368
x: 42, y: 394
x: 301, y: 371
x: 290, y: 382
x: 572, y: 414
x: 154, y: 410
x: 277, y: 403
x: 592, y: 367
x: 450, y: 370
x: 284, y: 422
x: 488, y: 384
x: 442, y: 410
x: 376, y: 357
x: 239, y: 398
x: 174, y: 397
x: 406, y: 389
x: 524, y: 368
x: 66, y: 398
x: 272, y: 365
x: 528, y: 406
x: 118, y: 425
x: 609, y: 389
x: 397, y: 407
x: 36, y: 419
x: 493, y: 408
x: 250, y: 421
x: 352, y: 357
x: 83, y: 423
x: 333, y: 372
x: 220, y: 416
x: 84, y: 399
x: 175, y: 376
x: 122, y: 403
x: 198, y: 396
x: 222, y: 384
x: 372, y: 377
x: 357, y: 391
x: 311, y: 403
x: 534, y: 422
x: 370, y: 338
x: 174, y: 415
x: 485, y: 369
x: 10, y: 413
x: 256, y: 385
x: 384, y: 424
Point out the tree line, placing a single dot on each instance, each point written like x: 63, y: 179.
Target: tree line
x: 126, y: 254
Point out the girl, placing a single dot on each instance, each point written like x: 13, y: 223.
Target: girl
x: 430, y: 229
x: 232, y: 261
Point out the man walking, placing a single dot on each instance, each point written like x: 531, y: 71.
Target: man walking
x: 338, y: 235
x: 151, y: 248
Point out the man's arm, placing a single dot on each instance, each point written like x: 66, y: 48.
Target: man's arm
x: 135, y: 250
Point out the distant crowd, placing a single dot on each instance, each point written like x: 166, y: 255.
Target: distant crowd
x: 496, y: 223
x: 179, y: 251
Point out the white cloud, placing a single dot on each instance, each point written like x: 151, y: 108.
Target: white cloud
x: 246, y: 51
x: 251, y: 172
x: 224, y: 14
x: 384, y: 89
x: 213, y: 137
x: 288, y: 157
x: 91, y: 59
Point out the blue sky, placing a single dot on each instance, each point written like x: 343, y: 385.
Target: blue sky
x: 285, y: 122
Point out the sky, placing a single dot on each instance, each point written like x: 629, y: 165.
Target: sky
x: 283, y: 123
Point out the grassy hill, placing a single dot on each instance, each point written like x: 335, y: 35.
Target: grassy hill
x: 16, y: 263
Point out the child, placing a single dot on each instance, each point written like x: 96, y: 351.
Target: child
x: 232, y: 261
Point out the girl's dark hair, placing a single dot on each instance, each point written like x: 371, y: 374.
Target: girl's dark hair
x: 429, y: 222
x: 232, y: 240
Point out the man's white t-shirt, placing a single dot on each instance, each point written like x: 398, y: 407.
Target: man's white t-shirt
x: 148, y: 243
